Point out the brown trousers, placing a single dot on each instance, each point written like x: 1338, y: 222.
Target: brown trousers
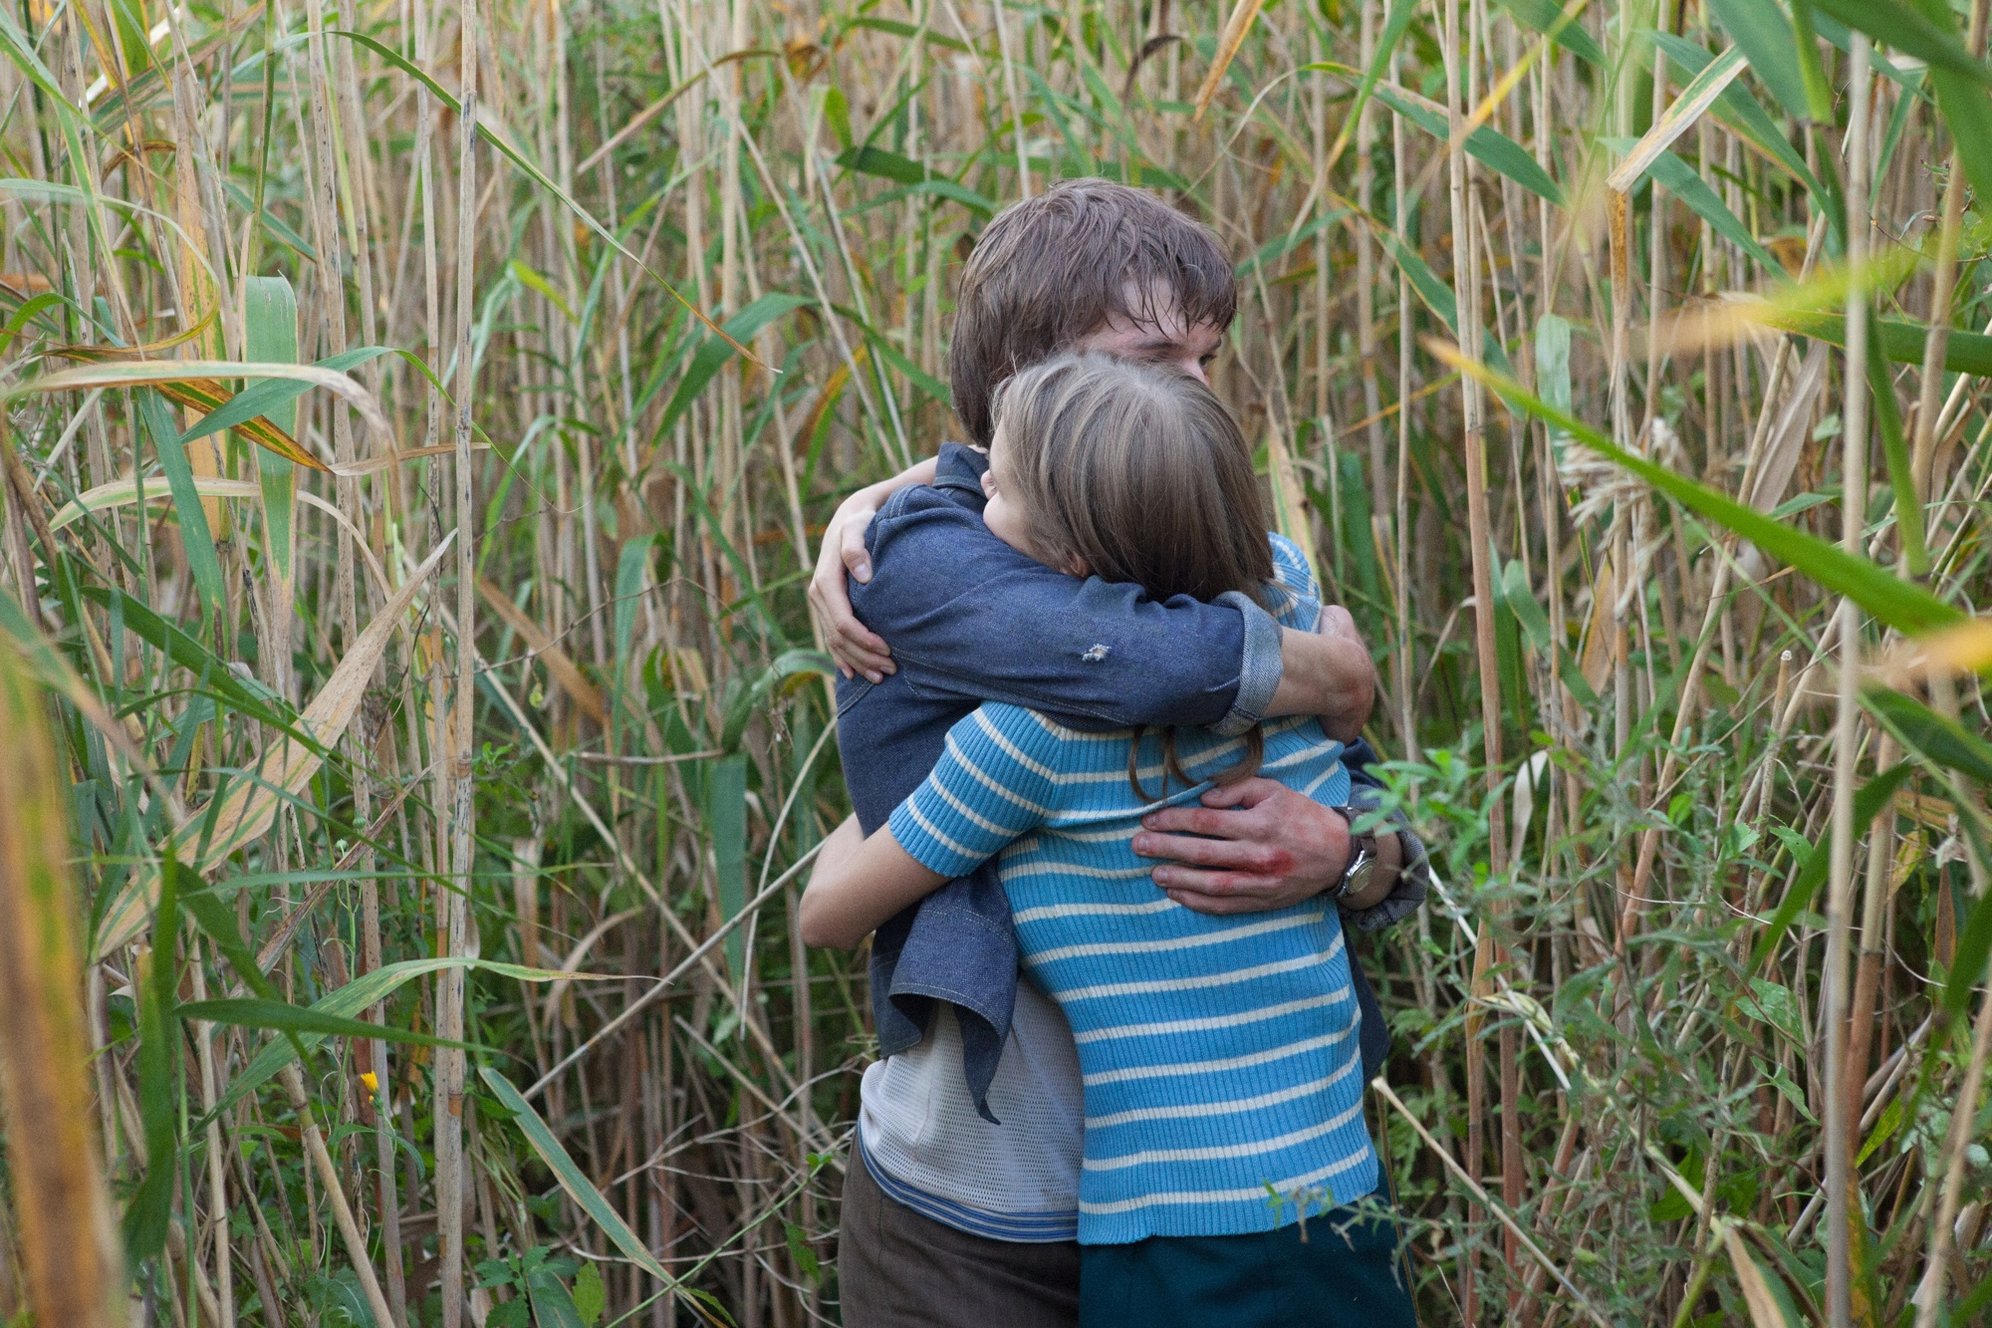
x: 898, y: 1269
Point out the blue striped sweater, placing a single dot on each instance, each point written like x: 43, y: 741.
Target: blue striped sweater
x: 1223, y: 1082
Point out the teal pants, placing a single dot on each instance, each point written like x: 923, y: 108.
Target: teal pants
x: 1340, y: 1269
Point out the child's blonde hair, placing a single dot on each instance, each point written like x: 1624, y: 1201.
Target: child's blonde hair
x: 1142, y: 475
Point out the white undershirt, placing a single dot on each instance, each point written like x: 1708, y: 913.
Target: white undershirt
x: 1020, y: 1179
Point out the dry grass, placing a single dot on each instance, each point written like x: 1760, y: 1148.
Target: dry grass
x: 465, y: 687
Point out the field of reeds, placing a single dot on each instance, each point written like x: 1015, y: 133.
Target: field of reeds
x: 419, y: 420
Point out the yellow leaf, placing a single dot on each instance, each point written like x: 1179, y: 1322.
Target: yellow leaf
x: 242, y: 814
x: 1235, y: 29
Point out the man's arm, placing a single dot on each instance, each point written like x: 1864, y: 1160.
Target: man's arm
x: 980, y: 621
x: 1327, y: 673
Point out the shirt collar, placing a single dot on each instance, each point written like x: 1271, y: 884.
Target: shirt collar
x: 960, y: 467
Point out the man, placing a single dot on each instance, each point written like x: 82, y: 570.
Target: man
x: 960, y: 1197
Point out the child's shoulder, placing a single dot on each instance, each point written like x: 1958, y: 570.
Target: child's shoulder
x: 1295, y: 595
x: 1025, y: 735
x: 1290, y: 565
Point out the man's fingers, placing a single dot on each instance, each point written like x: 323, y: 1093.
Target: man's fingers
x: 1244, y: 793
x: 1230, y: 855
x: 1218, y: 892
x: 1336, y: 621
x: 1221, y: 822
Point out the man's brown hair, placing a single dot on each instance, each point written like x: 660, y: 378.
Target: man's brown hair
x: 1140, y: 474
x: 1052, y: 268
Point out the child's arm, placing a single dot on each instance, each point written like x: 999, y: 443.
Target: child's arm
x: 858, y: 884
x: 994, y: 782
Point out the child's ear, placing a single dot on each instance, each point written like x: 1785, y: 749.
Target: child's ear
x: 1076, y: 566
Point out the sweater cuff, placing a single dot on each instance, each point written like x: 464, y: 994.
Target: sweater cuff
x: 1259, y: 669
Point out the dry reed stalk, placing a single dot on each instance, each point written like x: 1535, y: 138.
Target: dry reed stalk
x: 68, y: 1246
x: 1488, y: 950
x: 1841, y: 1207
x: 453, y: 900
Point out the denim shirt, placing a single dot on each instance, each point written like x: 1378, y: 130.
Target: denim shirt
x: 969, y: 619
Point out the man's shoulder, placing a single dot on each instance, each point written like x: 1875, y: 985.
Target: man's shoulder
x: 921, y: 499
x: 957, y: 487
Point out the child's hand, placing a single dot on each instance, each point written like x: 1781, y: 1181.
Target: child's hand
x: 854, y: 647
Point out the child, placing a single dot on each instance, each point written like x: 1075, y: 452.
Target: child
x: 1222, y: 1079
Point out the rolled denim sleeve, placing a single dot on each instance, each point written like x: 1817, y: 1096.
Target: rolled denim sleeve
x: 1260, y: 669
x: 969, y: 618
x: 1413, y: 878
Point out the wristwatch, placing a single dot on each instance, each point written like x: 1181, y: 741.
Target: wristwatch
x: 1362, y: 859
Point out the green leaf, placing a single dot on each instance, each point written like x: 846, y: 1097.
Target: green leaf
x: 1776, y: 1077
x: 1395, y: 24
x: 935, y: 186
x: 1868, y: 802
x: 1818, y: 97
x: 150, y: 1211
x: 246, y: 1012
x: 15, y: 44
x: 1681, y: 180
x: 275, y: 398
x: 1884, y: 1129
x: 1940, y: 741
x: 1900, y: 604
x: 270, y: 324
x: 1895, y: 447
x: 837, y: 112
x: 788, y: 669
x: 1763, y: 33
x: 726, y: 819
x: 1521, y: 601
x: 1974, y: 945
x: 1742, y: 111
x: 1776, y: 1006
x: 1435, y: 293
x: 575, y: 1181
x: 195, y: 534
x: 1486, y: 145
x: 367, y: 990
x: 245, y: 695
x: 1559, y: 25
x: 590, y: 1297
x: 552, y: 1306
x: 1967, y: 114
x: 882, y: 346
x: 714, y: 352
x: 886, y: 165
x: 1552, y: 369
x: 1907, y: 29
x: 217, y: 920
x: 1901, y: 341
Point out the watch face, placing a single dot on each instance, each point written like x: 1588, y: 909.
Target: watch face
x: 1359, y: 876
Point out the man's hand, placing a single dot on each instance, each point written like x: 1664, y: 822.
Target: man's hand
x: 1263, y: 847
x: 1327, y: 673
x: 855, y: 647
